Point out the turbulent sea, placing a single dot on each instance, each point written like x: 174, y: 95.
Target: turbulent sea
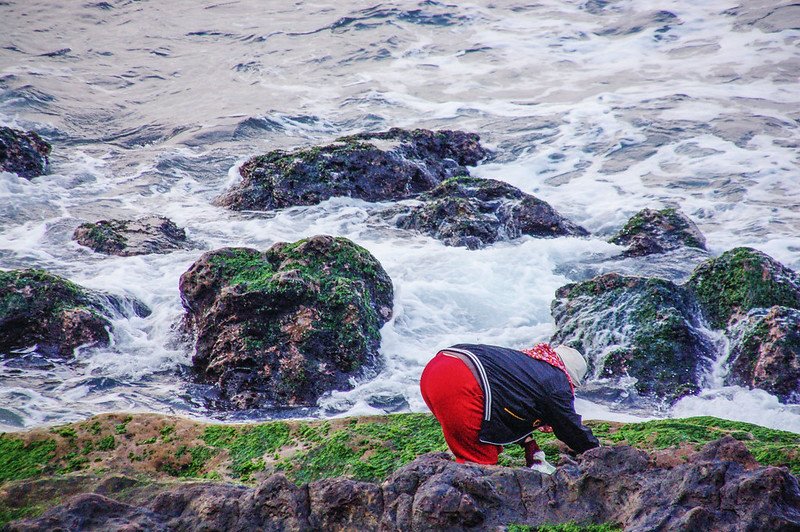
x: 601, y: 108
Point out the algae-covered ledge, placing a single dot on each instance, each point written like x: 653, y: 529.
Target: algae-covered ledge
x: 133, y: 457
x: 360, y: 448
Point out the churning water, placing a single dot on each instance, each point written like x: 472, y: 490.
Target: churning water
x: 599, y: 107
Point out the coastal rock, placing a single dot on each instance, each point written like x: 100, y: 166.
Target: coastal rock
x: 720, y: 487
x: 125, y: 238
x: 392, y: 165
x: 661, y: 231
x: 647, y: 328
x: 23, y: 152
x: 740, y: 280
x: 475, y: 212
x: 765, y: 352
x: 56, y: 315
x: 283, y: 326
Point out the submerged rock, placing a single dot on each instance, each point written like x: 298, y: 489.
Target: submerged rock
x: 23, y: 152
x: 125, y: 238
x: 283, y: 326
x: 740, y: 280
x: 54, y: 314
x: 475, y: 212
x: 651, y: 232
x: 646, y: 328
x: 765, y: 352
x: 392, y: 165
x: 720, y: 487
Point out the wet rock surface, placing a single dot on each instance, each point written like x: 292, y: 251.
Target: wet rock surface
x: 651, y: 232
x: 765, y: 352
x: 283, y: 326
x: 392, y: 165
x: 721, y: 487
x: 44, y: 310
x: 474, y: 212
x: 647, y: 328
x: 151, y: 234
x: 740, y: 280
x: 24, y: 153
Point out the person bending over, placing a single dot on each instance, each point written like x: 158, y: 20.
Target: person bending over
x: 485, y: 397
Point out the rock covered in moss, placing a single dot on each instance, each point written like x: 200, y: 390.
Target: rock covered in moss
x: 23, y: 152
x: 392, y: 165
x: 151, y: 234
x: 283, y: 326
x: 646, y: 328
x: 740, y: 280
x: 651, y: 231
x: 53, y: 313
x: 475, y: 212
x: 765, y: 352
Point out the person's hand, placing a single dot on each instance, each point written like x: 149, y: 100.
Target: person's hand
x: 546, y: 428
x: 531, y: 448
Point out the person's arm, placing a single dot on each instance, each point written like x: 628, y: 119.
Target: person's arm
x: 567, y: 424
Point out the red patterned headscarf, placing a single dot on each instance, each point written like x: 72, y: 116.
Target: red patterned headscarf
x: 547, y: 354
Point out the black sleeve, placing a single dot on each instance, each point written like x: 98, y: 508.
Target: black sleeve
x: 567, y: 424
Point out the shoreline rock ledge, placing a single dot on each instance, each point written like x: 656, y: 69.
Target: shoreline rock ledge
x: 282, y: 327
x: 720, y: 487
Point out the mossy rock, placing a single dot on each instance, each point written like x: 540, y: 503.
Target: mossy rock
x: 646, y: 327
x: 475, y: 212
x: 38, y: 308
x: 24, y: 153
x: 765, y: 352
x: 125, y: 238
x: 280, y: 328
x: 740, y: 280
x: 391, y: 165
x: 651, y: 231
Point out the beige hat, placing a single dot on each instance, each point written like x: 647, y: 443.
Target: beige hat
x: 575, y: 363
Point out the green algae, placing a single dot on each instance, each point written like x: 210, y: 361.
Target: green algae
x: 19, y: 460
x: 740, y: 280
x: 195, y: 466
x: 368, y: 449
x: 247, y: 445
x: 768, y: 446
x: 107, y: 443
x: 565, y: 527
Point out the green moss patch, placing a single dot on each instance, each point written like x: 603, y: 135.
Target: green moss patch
x: 565, y: 527
x: 19, y: 459
x: 742, y: 279
x: 768, y: 446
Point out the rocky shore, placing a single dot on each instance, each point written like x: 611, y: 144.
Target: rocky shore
x: 280, y: 327
x: 155, y: 472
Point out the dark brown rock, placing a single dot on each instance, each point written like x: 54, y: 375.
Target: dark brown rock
x: 653, y: 231
x: 765, y: 352
x: 475, y: 212
x: 392, y: 165
x: 57, y: 315
x: 283, y: 326
x: 23, y: 152
x: 151, y: 234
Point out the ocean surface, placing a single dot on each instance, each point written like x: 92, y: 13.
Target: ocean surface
x: 601, y: 108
